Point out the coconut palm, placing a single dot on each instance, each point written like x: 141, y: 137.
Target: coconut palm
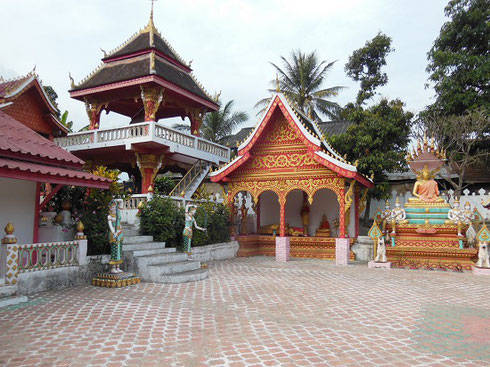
x: 217, y: 125
x: 301, y: 81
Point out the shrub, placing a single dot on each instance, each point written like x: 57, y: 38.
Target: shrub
x: 163, y: 220
x: 216, y: 219
x: 163, y: 185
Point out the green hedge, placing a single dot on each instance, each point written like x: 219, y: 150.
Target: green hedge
x: 162, y: 219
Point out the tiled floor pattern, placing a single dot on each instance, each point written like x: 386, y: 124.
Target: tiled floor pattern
x: 256, y: 312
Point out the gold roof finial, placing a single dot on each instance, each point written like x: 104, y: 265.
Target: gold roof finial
x: 72, y: 82
x: 151, y: 26
x: 278, y: 85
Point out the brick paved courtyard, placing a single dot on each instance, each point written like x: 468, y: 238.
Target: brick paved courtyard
x: 256, y: 312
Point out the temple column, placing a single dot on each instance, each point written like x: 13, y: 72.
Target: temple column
x: 233, y: 213
x: 152, y: 97
x: 282, y: 211
x: 149, y: 165
x: 94, y: 109
x: 196, y: 116
x: 341, y: 197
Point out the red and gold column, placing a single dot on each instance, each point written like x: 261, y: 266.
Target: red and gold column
x: 94, y: 108
x: 282, y: 203
x: 152, y: 98
x: 196, y: 116
x: 149, y: 165
x: 341, y: 197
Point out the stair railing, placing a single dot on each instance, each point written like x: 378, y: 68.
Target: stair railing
x: 188, y: 179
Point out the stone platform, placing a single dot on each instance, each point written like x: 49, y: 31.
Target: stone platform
x: 480, y: 271
x: 300, y: 247
x: 117, y: 280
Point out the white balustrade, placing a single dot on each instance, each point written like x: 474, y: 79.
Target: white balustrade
x: 150, y: 130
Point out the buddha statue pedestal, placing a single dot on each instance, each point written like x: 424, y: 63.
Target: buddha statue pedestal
x: 324, y: 229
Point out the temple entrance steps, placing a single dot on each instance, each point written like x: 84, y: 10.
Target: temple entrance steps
x: 154, y: 262
x: 8, y: 295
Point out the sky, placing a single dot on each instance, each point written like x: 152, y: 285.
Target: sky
x: 231, y: 42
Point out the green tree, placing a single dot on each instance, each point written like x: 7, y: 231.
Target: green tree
x: 365, y: 65
x: 459, y: 60
x: 218, y: 125
x: 301, y: 79
x: 53, y: 96
x: 64, y: 121
x: 379, y: 135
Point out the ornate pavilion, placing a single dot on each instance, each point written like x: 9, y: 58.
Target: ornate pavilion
x: 300, y: 187
x: 146, y: 80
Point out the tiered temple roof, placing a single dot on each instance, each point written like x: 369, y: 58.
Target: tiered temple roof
x: 145, y: 57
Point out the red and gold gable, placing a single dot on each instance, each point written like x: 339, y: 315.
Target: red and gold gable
x: 280, y: 151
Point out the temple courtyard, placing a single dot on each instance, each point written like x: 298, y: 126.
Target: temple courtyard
x: 257, y: 312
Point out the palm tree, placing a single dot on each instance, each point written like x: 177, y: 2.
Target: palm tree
x: 218, y: 125
x: 301, y: 81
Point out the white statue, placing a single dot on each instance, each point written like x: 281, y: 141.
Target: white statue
x: 456, y: 215
x: 483, y: 261
x: 397, y: 215
x: 381, y: 251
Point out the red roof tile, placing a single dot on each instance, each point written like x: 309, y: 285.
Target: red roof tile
x: 43, y: 173
x: 18, y: 141
x: 8, y: 86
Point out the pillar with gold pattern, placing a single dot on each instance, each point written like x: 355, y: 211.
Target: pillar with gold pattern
x: 149, y: 165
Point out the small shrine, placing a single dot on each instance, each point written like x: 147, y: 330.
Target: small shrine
x: 145, y: 80
x: 427, y: 232
x: 302, y: 191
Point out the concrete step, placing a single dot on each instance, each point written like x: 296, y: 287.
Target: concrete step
x: 10, y: 301
x: 144, y: 261
x: 156, y: 271
x: 143, y: 246
x: 187, y: 276
x: 131, y: 232
x: 156, y: 251
x: 8, y: 291
x: 137, y: 239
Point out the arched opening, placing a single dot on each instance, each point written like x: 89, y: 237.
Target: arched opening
x: 269, y: 217
x: 297, y: 213
x: 324, y: 209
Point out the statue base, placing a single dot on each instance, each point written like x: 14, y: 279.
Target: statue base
x: 480, y: 271
x: 379, y: 265
x: 118, y: 280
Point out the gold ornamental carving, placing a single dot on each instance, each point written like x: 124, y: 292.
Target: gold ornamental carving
x: 282, y: 161
x: 281, y: 133
x: 152, y: 98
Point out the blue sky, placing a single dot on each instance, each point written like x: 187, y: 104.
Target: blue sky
x: 231, y: 42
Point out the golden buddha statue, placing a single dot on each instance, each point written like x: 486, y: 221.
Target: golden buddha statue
x: 324, y: 229
x: 426, y: 189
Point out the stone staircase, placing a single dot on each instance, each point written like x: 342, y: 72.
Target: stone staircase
x: 8, y: 295
x: 153, y: 262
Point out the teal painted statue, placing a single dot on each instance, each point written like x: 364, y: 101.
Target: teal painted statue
x: 190, y: 211
x: 116, y: 235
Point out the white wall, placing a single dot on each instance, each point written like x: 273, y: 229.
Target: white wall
x: 17, y: 205
x: 269, y: 209
x: 324, y: 202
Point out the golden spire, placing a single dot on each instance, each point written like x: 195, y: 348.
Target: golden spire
x: 278, y: 87
x: 151, y: 26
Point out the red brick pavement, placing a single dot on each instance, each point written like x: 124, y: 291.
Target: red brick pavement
x: 257, y: 312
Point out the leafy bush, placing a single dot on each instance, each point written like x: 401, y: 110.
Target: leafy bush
x: 216, y: 219
x: 163, y: 185
x: 163, y: 220
x: 91, y: 206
